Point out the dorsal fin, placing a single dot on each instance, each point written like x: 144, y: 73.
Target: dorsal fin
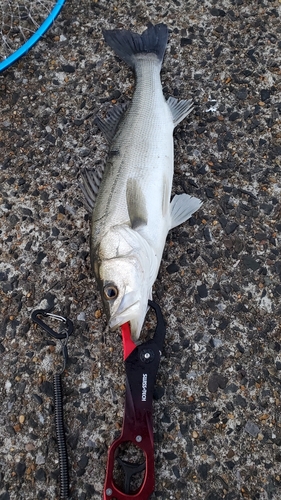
x: 179, y: 109
x: 91, y: 183
x: 111, y: 122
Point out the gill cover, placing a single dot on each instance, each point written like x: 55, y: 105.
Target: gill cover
x: 125, y: 262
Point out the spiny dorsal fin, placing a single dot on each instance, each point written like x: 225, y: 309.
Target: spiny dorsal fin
x: 182, y: 208
x: 110, y: 124
x: 179, y: 109
x: 91, y: 182
x: 136, y: 204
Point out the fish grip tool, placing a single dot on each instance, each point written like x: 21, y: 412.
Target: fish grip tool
x: 58, y: 396
x: 141, y: 366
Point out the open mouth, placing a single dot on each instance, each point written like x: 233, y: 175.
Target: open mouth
x: 126, y: 309
x: 125, y: 313
x: 122, y: 317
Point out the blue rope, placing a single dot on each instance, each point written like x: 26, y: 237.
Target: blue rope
x: 34, y: 38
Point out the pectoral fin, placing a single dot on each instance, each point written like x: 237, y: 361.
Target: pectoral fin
x: 166, y: 197
x: 182, y: 207
x: 179, y: 109
x: 136, y: 204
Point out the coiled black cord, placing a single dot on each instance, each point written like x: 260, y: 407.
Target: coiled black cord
x: 63, y: 461
x: 63, y: 338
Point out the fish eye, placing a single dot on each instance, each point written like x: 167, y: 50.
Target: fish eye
x: 110, y: 292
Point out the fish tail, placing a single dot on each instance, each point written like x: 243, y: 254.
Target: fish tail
x: 128, y: 44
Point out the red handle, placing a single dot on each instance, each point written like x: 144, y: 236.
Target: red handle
x: 141, y: 365
x: 128, y: 344
x: 137, y: 429
x: 111, y: 491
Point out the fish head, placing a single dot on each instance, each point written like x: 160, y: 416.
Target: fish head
x: 124, y: 293
x: 121, y: 265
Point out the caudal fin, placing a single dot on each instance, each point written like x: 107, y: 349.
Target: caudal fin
x: 127, y: 44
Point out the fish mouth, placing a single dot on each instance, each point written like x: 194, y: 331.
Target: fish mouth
x: 128, y: 311
x: 132, y: 309
x: 123, y: 316
x: 134, y: 325
x: 124, y: 311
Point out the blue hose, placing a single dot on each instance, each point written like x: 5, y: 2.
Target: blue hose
x: 34, y: 38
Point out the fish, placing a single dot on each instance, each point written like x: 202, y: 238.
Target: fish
x: 131, y: 211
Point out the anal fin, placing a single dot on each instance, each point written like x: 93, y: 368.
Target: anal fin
x: 179, y: 109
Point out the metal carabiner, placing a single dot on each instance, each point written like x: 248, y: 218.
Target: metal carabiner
x: 47, y: 328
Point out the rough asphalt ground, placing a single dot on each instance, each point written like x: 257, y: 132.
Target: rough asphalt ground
x: 217, y: 402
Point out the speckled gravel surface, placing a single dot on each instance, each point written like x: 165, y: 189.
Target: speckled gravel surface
x: 217, y: 401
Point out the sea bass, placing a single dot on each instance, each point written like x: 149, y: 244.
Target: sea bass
x: 130, y: 202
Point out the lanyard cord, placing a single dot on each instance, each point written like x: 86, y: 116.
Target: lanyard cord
x: 59, y: 424
x: 58, y: 396
x: 61, y: 441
